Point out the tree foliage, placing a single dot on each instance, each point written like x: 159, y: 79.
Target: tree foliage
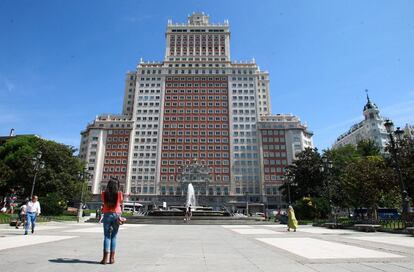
x: 59, y: 175
x: 367, y: 180
x: 360, y: 177
x: 304, y: 176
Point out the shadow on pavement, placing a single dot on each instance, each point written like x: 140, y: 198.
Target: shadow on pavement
x: 68, y: 260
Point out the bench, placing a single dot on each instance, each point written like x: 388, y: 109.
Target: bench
x: 333, y: 225
x: 367, y: 227
x: 410, y: 230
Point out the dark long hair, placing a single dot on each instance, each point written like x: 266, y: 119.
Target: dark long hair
x: 111, y: 193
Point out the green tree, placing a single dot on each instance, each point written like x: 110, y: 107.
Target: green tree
x: 304, y: 176
x: 367, y: 148
x: 367, y: 180
x: 59, y: 175
x: 405, y: 158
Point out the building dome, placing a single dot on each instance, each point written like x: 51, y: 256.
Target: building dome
x: 369, y: 105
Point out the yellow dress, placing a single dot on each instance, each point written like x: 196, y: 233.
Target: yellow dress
x: 292, y: 222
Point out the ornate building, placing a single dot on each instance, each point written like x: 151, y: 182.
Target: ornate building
x: 195, y: 104
x: 371, y: 128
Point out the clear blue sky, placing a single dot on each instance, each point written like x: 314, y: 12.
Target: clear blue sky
x: 63, y: 62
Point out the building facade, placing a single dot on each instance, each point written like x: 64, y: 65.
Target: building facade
x: 371, y: 128
x: 197, y: 104
x: 282, y: 137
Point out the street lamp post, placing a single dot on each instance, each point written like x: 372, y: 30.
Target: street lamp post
x: 394, y: 148
x: 288, y: 180
x: 327, y: 166
x: 247, y: 202
x: 37, y: 163
x: 82, y: 176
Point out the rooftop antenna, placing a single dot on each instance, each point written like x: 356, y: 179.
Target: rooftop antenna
x: 366, y: 91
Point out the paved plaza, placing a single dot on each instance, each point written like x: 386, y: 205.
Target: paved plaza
x: 78, y: 247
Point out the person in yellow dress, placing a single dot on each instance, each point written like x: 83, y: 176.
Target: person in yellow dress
x: 292, y: 222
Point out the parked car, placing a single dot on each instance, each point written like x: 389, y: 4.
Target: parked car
x: 388, y: 213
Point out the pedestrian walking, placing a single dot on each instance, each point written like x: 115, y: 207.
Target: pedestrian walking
x: 32, y: 212
x: 22, y: 214
x: 292, y: 222
x: 112, y: 201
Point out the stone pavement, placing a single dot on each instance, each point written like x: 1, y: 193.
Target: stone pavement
x: 78, y: 247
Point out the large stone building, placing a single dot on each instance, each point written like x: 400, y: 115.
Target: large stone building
x: 195, y: 104
x: 371, y: 128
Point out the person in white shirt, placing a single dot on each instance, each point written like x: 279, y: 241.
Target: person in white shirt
x: 22, y: 214
x: 32, y: 211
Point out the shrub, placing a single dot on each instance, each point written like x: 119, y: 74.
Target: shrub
x: 52, y: 204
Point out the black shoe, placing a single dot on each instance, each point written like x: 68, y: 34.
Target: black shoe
x: 32, y: 230
x: 25, y: 233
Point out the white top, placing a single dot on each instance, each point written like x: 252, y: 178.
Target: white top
x: 33, y: 207
x: 23, y: 209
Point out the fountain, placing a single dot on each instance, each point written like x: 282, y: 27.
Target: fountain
x: 191, y: 199
x: 195, y: 177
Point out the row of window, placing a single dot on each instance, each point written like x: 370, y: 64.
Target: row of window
x: 273, y: 139
x: 202, y: 118
x: 196, y: 91
x: 201, y: 147
x: 195, y: 126
x: 242, y: 85
x: 148, y: 111
x: 147, y: 147
x: 243, y: 155
x: 246, y: 163
x: 196, y: 84
x: 114, y: 169
x: 246, y: 170
x: 198, y: 111
x: 144, y: 118
x: 244, y: 141
x: 273, y: 147
x: 196, y: 37
x: 116, y: 154
x: 117, y: 139
x: 148, y: 104
x: 272, y: 132
x: 189, y: 72
x: 244, y: 126
x: 274, y: 177
x: 145, y: 177
x: 196, y: 97
x: 190, y: 79
x: 146, y: 133
x: 142, y: 91
x: 246, y: 178
x: 244, y: 119
x: 217, y: 139
x: 273, y: 154
x: 244, y: 104
x: 243, y: 97
x: 148, y: 97
x: 146, y: 155
x: 196, y: 59
x: 213, y: 178
x: 150, y: 85
x: 244, y: 147
x: 115, y: 161
x: 146, y: 140
x: 194, y: 133
x: 196, y: 52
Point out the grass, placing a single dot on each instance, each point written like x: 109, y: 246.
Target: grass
x: 6, y: 218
